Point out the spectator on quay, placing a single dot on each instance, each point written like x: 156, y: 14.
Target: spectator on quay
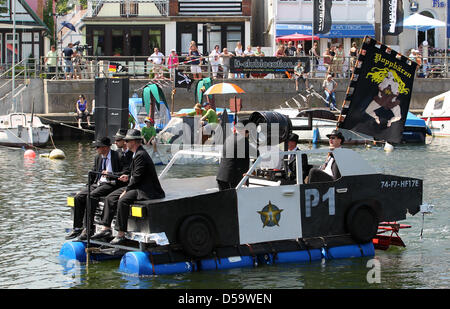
x: 333, y: 64
x: 157, y: 58
x: 299, y: 52
x: 194, y: 56
x: 327, y: 60
x: 214, y: 60
x: 259, y: 52
x: 68, y: 54
x: 50, y: 61
x: 172, y: 63
x: 82, y: 110
x: 353, y: 53
x: 280, y: 51
x: 239, y: 52
x: 290, y: 50
x: 314, y: 54
x: 329, y: 86
x: 225, y: 57
x: 76, y: 60
x: 338, y: 61
x: 300, y: 76
x: 249, y: 53
x: 425, y: 67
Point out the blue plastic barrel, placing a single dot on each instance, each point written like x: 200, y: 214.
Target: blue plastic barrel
x: 73, y: 250
x: 226, y: 263
x: 315, y: 138
x: 349, y: 251
x: 138, y: 263
x: 298, y: 256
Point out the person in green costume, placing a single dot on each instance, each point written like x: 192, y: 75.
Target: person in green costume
x: 149, y: 133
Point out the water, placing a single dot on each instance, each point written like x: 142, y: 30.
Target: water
x: 34, y: 216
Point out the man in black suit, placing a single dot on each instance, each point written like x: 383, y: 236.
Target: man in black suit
x: 106, y: 161
x: 235, y: 159
x: 110, y: 203
x: 329, y: 170
x: 124, y: 153
x: 143, y: 183
x: 292, y: 159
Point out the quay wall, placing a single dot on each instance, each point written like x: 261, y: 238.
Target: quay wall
x: 60, y: 96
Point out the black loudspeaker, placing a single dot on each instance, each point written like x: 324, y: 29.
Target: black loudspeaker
x: 101, y: 88
x: 112, y: 115
x: 118, y: 93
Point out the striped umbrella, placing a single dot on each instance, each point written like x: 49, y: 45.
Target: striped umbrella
x: 223, y: 88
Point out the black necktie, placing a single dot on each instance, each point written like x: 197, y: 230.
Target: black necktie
x: 104, y: 164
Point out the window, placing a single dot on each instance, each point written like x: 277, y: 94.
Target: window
x: 99, y: 43
x: 9, y: 48
x: 117, y: 42
x: 129, y: 8
x: 136, y: 43
x: 154, y: 39
x: 438, y: 103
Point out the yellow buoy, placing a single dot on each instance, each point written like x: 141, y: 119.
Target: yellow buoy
x: 57, y: 154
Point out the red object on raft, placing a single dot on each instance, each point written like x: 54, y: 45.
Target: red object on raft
x: 382, y: 241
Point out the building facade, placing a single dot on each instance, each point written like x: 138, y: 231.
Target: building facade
x: 30, y: 32
x: 437, y: 37
x: 351, y: 21
x: 135, y: 27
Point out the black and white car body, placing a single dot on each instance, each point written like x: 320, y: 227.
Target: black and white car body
x: 197, y: 219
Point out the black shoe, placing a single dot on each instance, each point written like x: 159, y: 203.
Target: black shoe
x: 83, y: 235
x: 102, y: 234
x: 75, y: 232
x: 117, y: 240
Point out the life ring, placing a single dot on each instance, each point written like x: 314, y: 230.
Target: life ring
x: 362, y: 222
x: 196, y: 236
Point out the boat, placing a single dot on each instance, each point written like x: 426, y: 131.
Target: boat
x: 23, y: 130
x: 436, y: 114
x: 262, y: 221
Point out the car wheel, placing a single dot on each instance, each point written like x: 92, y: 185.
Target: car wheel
x: 196, y: 236
x: 362, y: 223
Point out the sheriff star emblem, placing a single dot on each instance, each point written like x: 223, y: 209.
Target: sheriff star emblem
x: 270, y: 215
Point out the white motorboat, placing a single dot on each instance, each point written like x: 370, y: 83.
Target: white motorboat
x: 23, y: 130
x: 437, y: 114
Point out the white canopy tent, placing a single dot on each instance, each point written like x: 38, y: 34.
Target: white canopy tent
x: 421, y: 22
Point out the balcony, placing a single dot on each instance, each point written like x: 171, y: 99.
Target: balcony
x: 128, y: 8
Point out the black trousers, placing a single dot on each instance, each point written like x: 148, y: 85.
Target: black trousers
x: 123, y: 209
x: 110, y: 207
x: 81, y: 202
x: 317, y: 175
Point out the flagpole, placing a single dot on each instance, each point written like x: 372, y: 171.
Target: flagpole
x: 381, y: 21
x: 312, y: 40
x: 13, y: 71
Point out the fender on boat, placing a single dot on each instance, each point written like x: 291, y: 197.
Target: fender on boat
x: 139, y: 263
x: 73, y: 250
x: 349, y: 251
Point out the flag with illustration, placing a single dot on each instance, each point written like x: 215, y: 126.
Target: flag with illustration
x: 378, y: 97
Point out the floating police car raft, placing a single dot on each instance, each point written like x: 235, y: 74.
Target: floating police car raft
x: 261, y: 221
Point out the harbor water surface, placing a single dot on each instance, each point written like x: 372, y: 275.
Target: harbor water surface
x: 34, y: 218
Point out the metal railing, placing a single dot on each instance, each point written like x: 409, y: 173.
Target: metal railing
x: 90, y: 67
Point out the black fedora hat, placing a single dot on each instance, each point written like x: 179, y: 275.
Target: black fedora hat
x: 337, y: 134
x: 133, y: 134
x: 293, y: 137
x: 121, y: 133
x: 102, y: 142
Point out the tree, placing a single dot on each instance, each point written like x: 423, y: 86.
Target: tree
x: 49, y: 20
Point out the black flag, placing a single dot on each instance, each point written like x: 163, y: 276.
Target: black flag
x: 322, y: 16
x: 382, y: 83
x: 392, y: 17
x: 182, y: 80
